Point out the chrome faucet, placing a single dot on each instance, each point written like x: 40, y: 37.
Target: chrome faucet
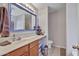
x: 13, y: 38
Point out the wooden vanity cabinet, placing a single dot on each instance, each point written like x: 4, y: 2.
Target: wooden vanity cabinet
x: 28, y: 50
x: 34, y: 48
x: 23, y: 51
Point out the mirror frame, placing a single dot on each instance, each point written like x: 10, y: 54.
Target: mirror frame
x: 25, y: 8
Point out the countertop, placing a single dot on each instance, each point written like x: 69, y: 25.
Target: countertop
x: 18, y: 44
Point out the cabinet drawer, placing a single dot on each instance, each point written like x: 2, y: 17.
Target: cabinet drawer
x: 34, y: 43
x: 18, y: 52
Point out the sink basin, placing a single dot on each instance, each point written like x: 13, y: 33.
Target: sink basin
x: 17, y: 40
x: 5, y: 43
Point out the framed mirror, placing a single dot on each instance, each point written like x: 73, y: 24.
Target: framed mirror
x: 21, y: 18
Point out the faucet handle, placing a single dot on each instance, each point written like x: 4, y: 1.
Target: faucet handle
x: 13, y: 37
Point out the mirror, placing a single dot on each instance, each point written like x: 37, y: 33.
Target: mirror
x: 21, y: 19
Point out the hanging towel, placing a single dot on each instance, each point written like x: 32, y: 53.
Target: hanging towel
x: 1, y: 19
x: 4, y: 22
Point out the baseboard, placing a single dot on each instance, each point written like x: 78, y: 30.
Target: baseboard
x: 59, y: 46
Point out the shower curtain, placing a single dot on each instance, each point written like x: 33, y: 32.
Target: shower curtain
x: 4, y: 22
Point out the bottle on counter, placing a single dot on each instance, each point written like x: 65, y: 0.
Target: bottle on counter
x: 39, y: 31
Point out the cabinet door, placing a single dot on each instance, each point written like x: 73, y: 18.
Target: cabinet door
x: 34, y: 51
x: 34, y: 43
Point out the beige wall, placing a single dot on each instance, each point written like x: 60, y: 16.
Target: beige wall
x: 57, y: 27
x: 78, y: 19
x: 71, y: 27
x: 3, y: 4
x: 43, y: 20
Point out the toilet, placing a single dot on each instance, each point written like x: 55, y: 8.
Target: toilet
x: 50, y: 43
x: 75, y: 52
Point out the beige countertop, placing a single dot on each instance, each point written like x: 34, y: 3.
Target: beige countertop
x: 18, y: 44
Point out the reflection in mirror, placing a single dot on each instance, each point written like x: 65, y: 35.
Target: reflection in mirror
x: 20, y: 19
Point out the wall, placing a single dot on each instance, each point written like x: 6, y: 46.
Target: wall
x: 78, y: 18
x: 4, y: 5
x: 57, y: 27
x: 43, y: 20
x: 71, y: 27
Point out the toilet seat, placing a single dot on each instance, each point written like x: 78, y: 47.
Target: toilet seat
x: 50, y: 42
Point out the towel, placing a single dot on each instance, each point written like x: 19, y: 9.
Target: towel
x: 1, y: 19
x: 4, y: 22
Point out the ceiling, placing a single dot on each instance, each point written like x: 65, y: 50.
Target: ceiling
x: 51, y: 6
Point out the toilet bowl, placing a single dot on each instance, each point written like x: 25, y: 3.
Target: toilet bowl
x: 74, y: 52
x: 50, y: 43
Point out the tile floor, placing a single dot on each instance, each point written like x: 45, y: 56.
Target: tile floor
x: 54, y: 51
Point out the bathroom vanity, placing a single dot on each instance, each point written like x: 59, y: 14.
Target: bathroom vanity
x: 30, y: 49
x: 25, y: 47
x: 22, y: 19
